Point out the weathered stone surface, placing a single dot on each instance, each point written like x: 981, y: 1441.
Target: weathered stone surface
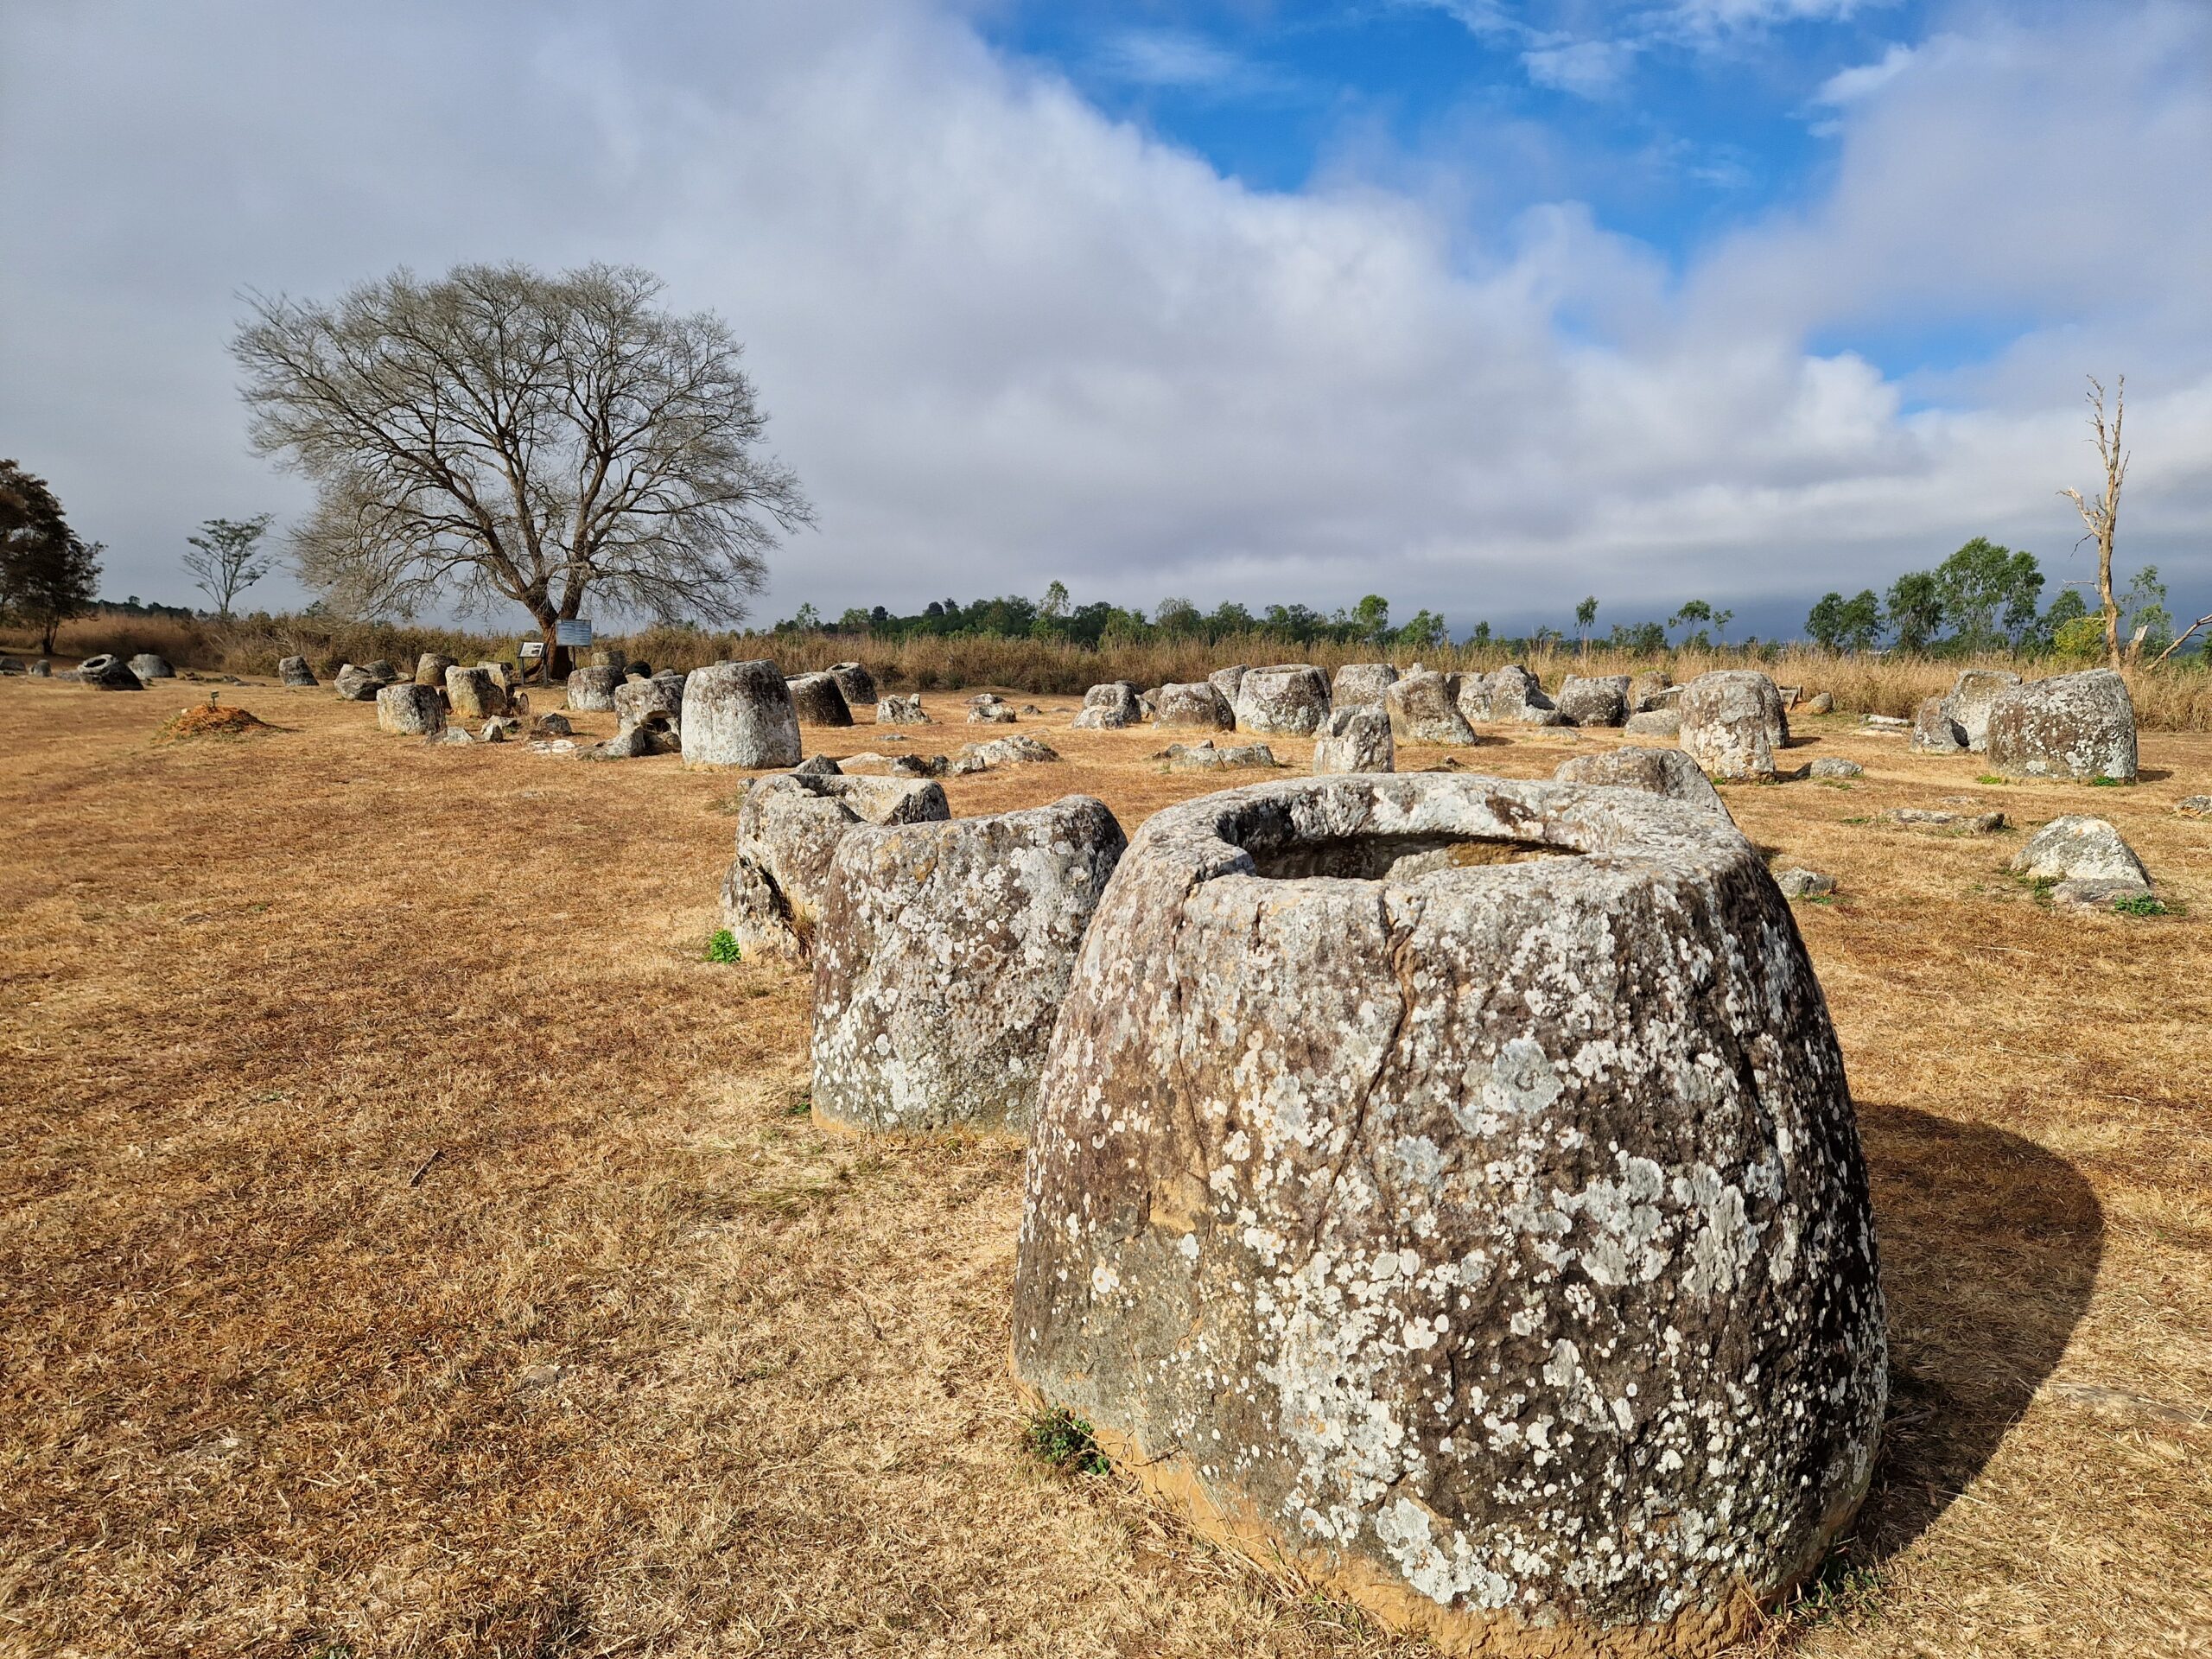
x: 556, y: 746
x: 739, y: 714
x: 447, y: 737
x: 1290, y: 698
x: 1424, y: 707
x: 356, y: 684
x: 430, y: 669
x: 1732, y: 723
x: 148, y: 667
x: 1645, y: 688
x: 1206, y: 756
x: 410, y: 709
x: 1511, y: 693
x: 551, y: 726
x: 385, y: 672
x: 652, y: 732
x: 819, y: 700
x: 893, y: 766
x: 295, y: 672
x: 1230, y: 682
x: 474, y: 694
x: 1491, y: 1237
x: 818, y: 765
x: 1108, y: 708
x: 2195, y: 806
x: 1000, y: 752
x: 634, y: 699
x: 788, y: 829
x: 1934, y: 731
x: 941, y: 956
x: 43, y: 669
x: 856, y: 683
x: 612, y: 657
x: 1949, y: 824
x: 1820, y: 703
x: 11, y: 666
x: 107, y: 672
x: 1595, y: 699
x: 1653, y: 722
x: 1972, y: 696
x: 1885, y: 725
x: 901, y: 711
x: 2085, y: 894
x: 499, y: 729
x: 1655, y: 771
x: 2078, y: 848
x: 591, y: 691
x: 2076, y: 725
x: 1357, y: 739
x: 991, y: 711
x: 1193, y: 706
x: 1801, y: 883
x: 1834, y: 765
x: 1358, y: 683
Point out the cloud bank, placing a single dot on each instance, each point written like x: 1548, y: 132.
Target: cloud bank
x: 1006, y: 339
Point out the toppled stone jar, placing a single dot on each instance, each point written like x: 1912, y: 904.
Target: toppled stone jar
x: 1453, y: 1182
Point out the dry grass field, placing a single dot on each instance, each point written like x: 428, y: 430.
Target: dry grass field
x: 409, y: 1245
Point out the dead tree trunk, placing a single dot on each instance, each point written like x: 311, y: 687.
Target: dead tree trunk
x: 2103, y: 513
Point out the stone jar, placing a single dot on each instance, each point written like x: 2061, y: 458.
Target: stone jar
x: 1453, y: 1182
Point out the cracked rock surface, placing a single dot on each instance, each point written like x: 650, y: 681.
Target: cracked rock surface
x: 1732, y: 723
x: 1453, y: 1182
x: 941, y: 956
x: 2076, y: 726
x: 788, y: 829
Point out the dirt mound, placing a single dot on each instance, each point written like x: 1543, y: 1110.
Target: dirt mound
x: 207, y: 720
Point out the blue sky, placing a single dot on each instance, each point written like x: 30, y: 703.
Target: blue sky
x: 1482, y: 305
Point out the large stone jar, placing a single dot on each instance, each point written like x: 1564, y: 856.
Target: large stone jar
x: 1453, y: 1182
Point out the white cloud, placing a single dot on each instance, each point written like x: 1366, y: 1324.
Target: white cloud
x: 1176, y: 58
x: 1856, y: 85
x: 1006, y: 338
x: 1592, y: 69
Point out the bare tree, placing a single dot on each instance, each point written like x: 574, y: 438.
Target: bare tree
x: 2103, y: 513
x: 226, y: 559
x: 502, y: 434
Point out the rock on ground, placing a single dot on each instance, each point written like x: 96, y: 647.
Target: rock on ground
x: 1953, y: 823
x: 1653, y: 722
x: 1433, y: 1224
x: 1424, y: 707
x: 1596, y: 700
x: 148, y: 667
x: 1667, y: 772
x: 1834, y: 765
x: 430, y: 669
x: 1204, y: 756
x: 856, y: 683
x: 474, y: 694
x: 1289, y: 698
x: 1230, y: 682
x: 1801, y: 883
x: 551, y: 726
x: 2078, y: 848
x: 901, y: 711
x: 591, y: 691
x: 410, y: 709
x: 991, y: 711
x: 2195, y: 806
x: 355, y: 684
x: 1972, y: 696
x: 295, y: 672
x: 635, y: 700
x: 788, y: 829
x: 1732, y: 723
x: 1000, y: 752
x: 1193, y: 706
x: 1934, y: 731
x: 1108, y: 708
x: 2075, y: 726
x: 1358, y: 683
x: 893, y: 766
x: 1511, y: 693
x: 43, y: 669
x: 108, y: 672
x: 1820, y: 703
x: 941, y: 956
x: 1356, y: 739
x: 819, y: 700
x: 739, y: 714
x: 1644, y: 689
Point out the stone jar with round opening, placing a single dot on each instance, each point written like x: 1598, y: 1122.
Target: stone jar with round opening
x: 1452, y: 1182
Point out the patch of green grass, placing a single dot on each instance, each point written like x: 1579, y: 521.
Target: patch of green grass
x: 1843, y: 1589
x: 1834, y: 783
x: 800, y: 1103
x: 1816, y: 898
x: 723, y: 947
x: 1063, y: 1441
x: 2144, y: 904
x: 2103, y: 782
x: 1858, y: 820
x: 1992, y: 778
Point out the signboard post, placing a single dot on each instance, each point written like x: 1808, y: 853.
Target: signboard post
x: 571, y: 633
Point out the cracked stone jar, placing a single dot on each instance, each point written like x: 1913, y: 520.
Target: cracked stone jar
x: 1453, y: 1182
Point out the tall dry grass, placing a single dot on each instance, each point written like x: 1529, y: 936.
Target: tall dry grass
x: 2169, y: 699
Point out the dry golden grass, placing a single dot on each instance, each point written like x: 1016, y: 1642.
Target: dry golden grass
x: 410, y: 1246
